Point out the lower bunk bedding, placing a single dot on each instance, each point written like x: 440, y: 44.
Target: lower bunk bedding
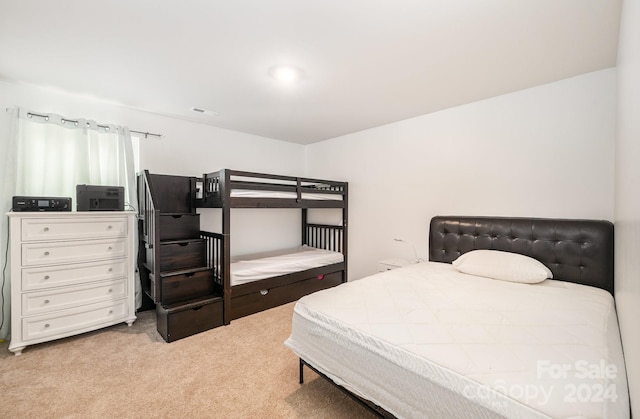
x: 430, y: 341
x: 254, y: 267
x: 257, y: 282
x: 265, y: 280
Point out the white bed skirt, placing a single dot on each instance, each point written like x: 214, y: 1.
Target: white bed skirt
x: 428, y: 341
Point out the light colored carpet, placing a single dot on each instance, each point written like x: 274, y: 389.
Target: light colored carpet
x: 238, y: 371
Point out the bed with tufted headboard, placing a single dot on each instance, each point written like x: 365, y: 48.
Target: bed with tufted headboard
x: 579, y: 251
x: 510, y: 329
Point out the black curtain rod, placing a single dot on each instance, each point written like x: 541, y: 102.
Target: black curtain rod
x: 106, y: 127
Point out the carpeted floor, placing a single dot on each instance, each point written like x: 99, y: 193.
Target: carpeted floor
x: 239, y: 371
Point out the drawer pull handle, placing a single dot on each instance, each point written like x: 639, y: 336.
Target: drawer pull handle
x: 46, y: 301
x: 110, y: 311
x: 110, y: 248
x: 110, y: 269
x: 46, y: 277
x: 46, y: 229
x: 110, y: 290
x: 264, y: 292
x: 109, y: 227
x: 46, y: 253
x: 46, y: 325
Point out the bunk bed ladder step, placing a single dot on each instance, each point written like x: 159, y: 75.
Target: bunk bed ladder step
x: 174, y: 270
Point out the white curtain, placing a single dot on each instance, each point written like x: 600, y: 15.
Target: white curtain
x: 7, y: 189
x: 54, y: 154
x: 48, y: 155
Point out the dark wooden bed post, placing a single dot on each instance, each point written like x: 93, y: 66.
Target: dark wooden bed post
x: 304, y: 226
x: 345, y: 222
x: 225, y: 193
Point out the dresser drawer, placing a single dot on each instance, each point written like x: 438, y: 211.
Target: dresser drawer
x: 40, y: 302
x: 72, y: 321
x: 34, y: 254
x: 73, y: 229
x: 73, y: 274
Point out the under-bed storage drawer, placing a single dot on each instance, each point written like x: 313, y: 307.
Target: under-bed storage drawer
x: 186, y: 286
x: 181, y: 320
x: 186, y: 254
x: 268, y: 298
x: 179, y: 226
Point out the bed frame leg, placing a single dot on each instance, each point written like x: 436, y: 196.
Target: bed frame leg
x: 301, y: 371
x: 375, y: 409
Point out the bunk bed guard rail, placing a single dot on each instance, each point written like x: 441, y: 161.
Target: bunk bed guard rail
x: 217, y: 186
x: 321, y: 236
x: 149, y: 234
x: 215, y: 254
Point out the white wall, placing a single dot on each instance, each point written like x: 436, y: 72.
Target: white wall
x: 188, y: 149
x: 627, y: 198
x: 546, y: 151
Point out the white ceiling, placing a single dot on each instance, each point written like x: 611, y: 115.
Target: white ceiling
x: 366, y: 62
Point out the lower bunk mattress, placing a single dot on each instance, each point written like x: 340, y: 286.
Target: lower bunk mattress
x: 429, y: 341
x: 254, y: 267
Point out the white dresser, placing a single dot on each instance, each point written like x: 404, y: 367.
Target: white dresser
x: 71, y: 272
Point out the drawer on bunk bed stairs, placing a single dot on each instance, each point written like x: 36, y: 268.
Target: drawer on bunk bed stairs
x: 178, y: 321
x: 186, y: 285
x: 179, y: 226
x: 182, y: 254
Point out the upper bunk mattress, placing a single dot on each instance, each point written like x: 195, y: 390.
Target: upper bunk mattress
x: 428, y: 341
x: 254, y: 267
x: 250, y: 193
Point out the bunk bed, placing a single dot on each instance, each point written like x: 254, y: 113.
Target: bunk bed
x: 481, y: 330
x: 257, y: 282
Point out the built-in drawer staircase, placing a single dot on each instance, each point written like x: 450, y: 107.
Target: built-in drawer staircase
x: 175, y: 270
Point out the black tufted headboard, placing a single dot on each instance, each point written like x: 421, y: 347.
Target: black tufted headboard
x: 579, y: 251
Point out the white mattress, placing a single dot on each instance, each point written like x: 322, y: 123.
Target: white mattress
x: 249, y: 193
x: 428, y: 341
x: 254, y: 267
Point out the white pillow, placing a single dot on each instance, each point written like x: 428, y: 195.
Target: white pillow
x: 505, y: 266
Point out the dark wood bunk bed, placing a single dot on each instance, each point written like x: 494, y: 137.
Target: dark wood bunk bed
x: 185, y: 272
x: 228, y: 189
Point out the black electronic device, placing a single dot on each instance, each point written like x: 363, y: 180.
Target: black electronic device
x: 40, y: 203
x: 99, y: 198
